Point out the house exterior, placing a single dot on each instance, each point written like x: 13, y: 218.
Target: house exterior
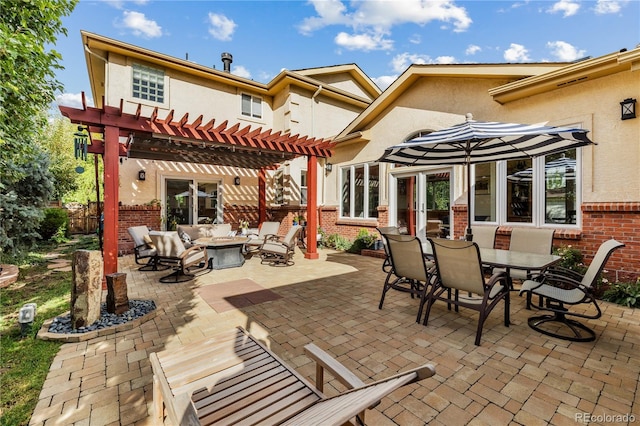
x: 592, y: 195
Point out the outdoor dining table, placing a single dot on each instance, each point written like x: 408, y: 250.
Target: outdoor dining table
x: 509, y: 259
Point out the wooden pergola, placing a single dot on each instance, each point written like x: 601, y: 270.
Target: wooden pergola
x: 154, y: 138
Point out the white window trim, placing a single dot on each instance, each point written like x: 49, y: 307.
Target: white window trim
x: 538, y: 208
x: 352, y: 191
x: 253, y: 98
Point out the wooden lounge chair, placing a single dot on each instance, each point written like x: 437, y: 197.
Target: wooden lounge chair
x: 233, y: 378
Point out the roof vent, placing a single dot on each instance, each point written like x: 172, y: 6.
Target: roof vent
x: 227, y: 58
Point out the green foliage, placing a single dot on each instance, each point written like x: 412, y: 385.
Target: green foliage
x: 27, y: 88
x: 364, y: 239
x: 58, y: 143
x: 55, y: 224
x: 25, y: 362
x: 571, y: 258
x: 338, y: 242
x: 625, y: 294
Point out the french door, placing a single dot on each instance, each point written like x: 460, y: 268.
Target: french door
x: 190, y: 201
x: 420, y: 203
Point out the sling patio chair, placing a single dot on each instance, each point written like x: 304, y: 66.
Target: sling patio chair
x: 529, y: 240
x: 410, y: 271
x: 280, y: 250
x: 485, y: 236
x: 267, y: 230
x: 393, y: 230
x: 559, y: 288
x: 171, y: 250
x: 459, y: 269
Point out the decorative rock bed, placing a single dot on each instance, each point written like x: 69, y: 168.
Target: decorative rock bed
x: 60, y: 328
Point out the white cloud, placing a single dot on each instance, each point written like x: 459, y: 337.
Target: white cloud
x: 604, y: 7
x: 365, y: 42
x: 401, y: 62
x: 241, y: 71
x: 415, y: 39
x: 567, y: 7
x: 384, y: 81
x: 221, y: 28
x: 472, y: 49
x: 445, y: 60
x: 140, y: 25
x: 564, y: 51
x: 72, y: 100
x: 516, y: 53
x: 377, y: 18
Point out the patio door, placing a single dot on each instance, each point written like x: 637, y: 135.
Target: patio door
x: 190, y: 201
x: 420, y: 203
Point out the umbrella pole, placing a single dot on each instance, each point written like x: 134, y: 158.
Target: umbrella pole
x: 469, y: 235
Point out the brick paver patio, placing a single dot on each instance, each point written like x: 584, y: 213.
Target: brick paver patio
x: 517, y: 376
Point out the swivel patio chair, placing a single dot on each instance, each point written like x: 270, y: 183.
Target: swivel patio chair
x: 144, y: 248
x: 559, y: 287
x: 410, y: 272
x: 171, y: 250
x: 267, y: 230
x: 279, y: 251
x: 459, y: 269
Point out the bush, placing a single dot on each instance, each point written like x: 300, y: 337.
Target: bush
x: 363, y: 240
x: 55, y: 225
x: 625, y: 294
x: 338, y: 242
x: 571, y: 259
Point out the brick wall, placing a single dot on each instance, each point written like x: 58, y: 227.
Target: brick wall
x: 135, y: 216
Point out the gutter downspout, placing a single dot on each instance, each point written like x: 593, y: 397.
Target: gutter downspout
x: 313, y: 134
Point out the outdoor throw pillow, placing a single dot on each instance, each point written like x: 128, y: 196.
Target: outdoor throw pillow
x: 186, y: 239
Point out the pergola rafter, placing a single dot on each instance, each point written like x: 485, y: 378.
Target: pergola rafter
x: 164, y: 139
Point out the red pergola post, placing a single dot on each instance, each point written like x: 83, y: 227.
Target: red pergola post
x: 312, y: 207
x: 262, y: 195
x: 111, y: 185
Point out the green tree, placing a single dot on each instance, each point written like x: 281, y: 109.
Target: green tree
x: 27, y: 87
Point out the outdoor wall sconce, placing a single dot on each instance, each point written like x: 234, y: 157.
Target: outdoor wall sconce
x: 628, y: 107
x: 236, y: 180
x: 328, y: 167
x: 142, y: 175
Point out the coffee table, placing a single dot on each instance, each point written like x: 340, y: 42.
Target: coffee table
x: 224, y: 252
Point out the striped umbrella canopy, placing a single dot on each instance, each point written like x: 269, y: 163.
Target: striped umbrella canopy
x: 482, y: 142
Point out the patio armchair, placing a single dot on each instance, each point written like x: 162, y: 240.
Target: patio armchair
x: 459, y: 269
x: 410, y: 272
x: 143, y: 248
x: 529, y: 240
x: 171, y: 250
x: 392, y: 230
x: 559, y: 288
x: 267, y: 230
x: 280, y: 250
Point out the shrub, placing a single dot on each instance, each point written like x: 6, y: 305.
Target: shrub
x: 338, y: 242
x: 625, y: 294
x: 363, y: 240
x: 571, y: 258
x: 55, y: 225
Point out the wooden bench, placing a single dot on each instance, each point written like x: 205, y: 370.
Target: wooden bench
x: 234, y: 378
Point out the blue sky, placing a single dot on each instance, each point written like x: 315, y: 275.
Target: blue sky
x: 382, y: 37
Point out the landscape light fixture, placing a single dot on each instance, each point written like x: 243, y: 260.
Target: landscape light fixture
x: 628, y: 109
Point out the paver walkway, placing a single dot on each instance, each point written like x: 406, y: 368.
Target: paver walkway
x: 517, y: 376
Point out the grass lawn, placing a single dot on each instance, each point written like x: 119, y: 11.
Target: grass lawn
x: 25, y: 360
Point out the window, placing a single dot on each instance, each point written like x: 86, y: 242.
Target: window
x: 278, y: 181
x: 148, y: 83
x: 303, y: 187
x: 251, y: 106
x: 540, y: 191
x: 360, y: 191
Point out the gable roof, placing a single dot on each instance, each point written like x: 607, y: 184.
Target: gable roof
x: 353, y: 70
x: 97, y: 49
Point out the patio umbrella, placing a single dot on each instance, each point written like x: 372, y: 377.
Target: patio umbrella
x: 481, y: 142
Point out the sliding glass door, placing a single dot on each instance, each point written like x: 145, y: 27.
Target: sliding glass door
x: 189, y: 201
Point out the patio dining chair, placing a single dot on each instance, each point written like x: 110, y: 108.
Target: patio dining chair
x: 280, y: 250
x: 529, y: 240
x: 485, y: 236
x: 459, y: 269
x: 383, y: 230
x: 171, y: 250
x: 560, y: 287
x: 410, y: 271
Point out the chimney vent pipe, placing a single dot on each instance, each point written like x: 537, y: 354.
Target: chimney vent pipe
x: 227, y: 58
